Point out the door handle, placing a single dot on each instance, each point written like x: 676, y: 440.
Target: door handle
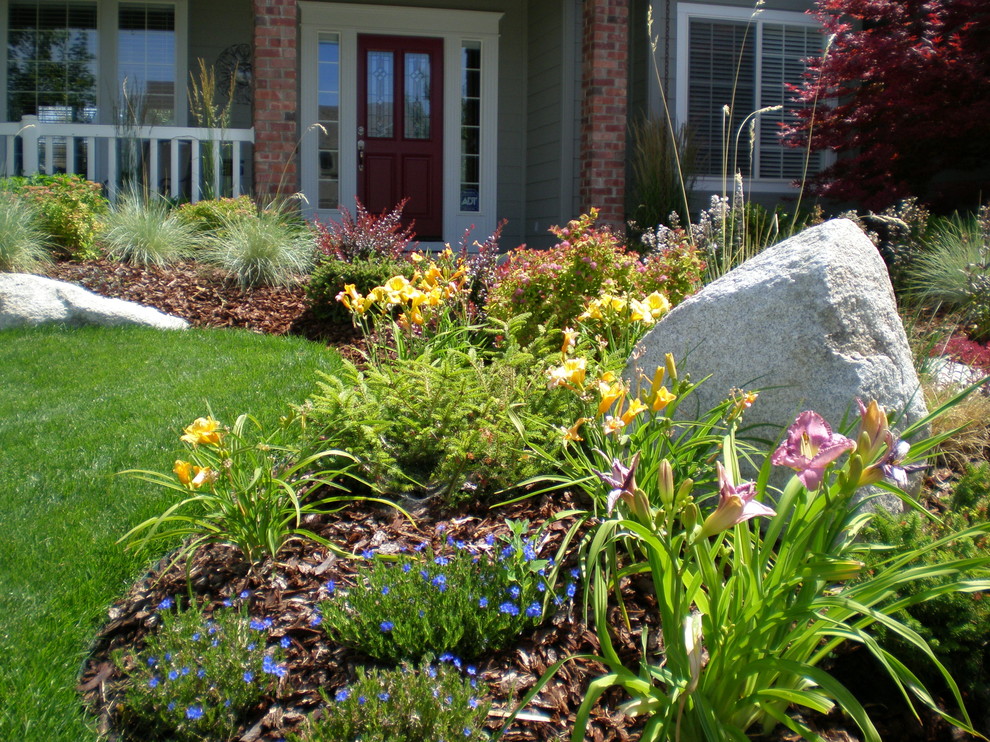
x: 360, y: 147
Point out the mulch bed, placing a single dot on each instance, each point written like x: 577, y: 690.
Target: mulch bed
x: 288, y: 594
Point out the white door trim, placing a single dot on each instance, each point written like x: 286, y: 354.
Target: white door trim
x: 455, y: 27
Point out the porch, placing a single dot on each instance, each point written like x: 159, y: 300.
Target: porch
x: 181, y: 162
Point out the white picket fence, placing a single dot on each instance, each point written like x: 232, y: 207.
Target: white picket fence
x: 169, y: 156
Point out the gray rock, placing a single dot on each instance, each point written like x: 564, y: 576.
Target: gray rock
x: 811, y: 321
x: 27, y: 300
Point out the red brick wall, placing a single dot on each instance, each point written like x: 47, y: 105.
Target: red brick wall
x: 604, y: 108
x: 276, y: 97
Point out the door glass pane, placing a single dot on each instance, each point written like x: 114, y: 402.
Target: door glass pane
x: 470, y: 126
x: 146, y: 63
x: 417, y: 95
x: 328, y: 116
x: 381, y: 83
x: 51, y: 61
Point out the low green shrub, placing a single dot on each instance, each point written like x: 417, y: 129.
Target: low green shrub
x: 407, y: 704
x: 23, y: 245
x: 199, y: 677
x: 331, y: 276
x: 147, y: 232
x: 72, y: 210
x: 552, y: 286
x: 211, y: 215
x: 272, y: 248
x: 956, y: 625
x: 465, y: 603
x: 443, y: 425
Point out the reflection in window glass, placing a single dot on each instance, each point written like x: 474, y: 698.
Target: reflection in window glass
x: 146, y: 63
x: 328, y: 116
x: 470, y: 126
x: 51, y: 61
x: 417, y: 108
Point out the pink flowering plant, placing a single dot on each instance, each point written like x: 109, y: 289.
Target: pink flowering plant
x: 754, y: 586
x: 552, y: 287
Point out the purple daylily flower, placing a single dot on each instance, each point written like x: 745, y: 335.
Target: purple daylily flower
x: 810, y: 446
x: 890, y: 466
x: 735, y: 505
x: 622, y: 480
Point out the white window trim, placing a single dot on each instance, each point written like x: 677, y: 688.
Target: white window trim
x: 687, y: 11
x: 107, y: 94
x: 454, y: 27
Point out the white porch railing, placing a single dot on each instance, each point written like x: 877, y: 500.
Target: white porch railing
x: 167, y: 157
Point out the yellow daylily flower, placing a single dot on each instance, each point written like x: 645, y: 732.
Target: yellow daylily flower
x: 640, y: 312
x: 660, y: 398
x: 192, y: 476
x: 571, y: 374
x: 417, y: 257
x: 635, y: 408
x: 616, y: 303
x: 571, y: 433
x: 613, y: 424
x: 610, y: 392
x: 658, y: 304
x: 203, y: 430
x: 570, y: 340
x: 183, y: 470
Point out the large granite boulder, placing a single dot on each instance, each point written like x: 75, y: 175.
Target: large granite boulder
x: 811, y: 321
x: 27, y: 300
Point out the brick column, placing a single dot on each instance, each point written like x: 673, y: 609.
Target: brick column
x: 276, y: 97
x: 604, y: 108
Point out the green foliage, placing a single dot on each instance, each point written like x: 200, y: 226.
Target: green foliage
x: 23, y: 247
x: 657, y: 179
x: 466, y: 603
x: 407, y: 704
x: 147, y: 232
x: 552, y: 286
x: 211, y: 215
x: 331, y: 275
x: 72, y: 210
x: 442, y: 425
x: 271, y: 248
x: 747, y: 613
x: 956, y: 625
x: 240, y: 491
x: 199, y: 677
x: 954, y: 270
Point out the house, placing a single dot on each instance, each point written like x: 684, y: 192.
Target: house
x: 477, y: 110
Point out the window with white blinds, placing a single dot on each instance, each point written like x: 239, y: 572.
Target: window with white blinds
x: 734, y: 66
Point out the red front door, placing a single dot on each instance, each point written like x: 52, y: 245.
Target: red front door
x: 400, y: 128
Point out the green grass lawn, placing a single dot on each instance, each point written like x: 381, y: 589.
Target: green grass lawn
x: 76, y: 406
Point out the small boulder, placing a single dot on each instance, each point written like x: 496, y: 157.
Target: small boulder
x: 27, y: 300
x: 811, y: 322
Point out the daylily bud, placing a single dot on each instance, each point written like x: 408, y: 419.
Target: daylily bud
x: 665, y: 483
x: 671, y: 366
x: 874, y: 430
x: 693, y: 646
